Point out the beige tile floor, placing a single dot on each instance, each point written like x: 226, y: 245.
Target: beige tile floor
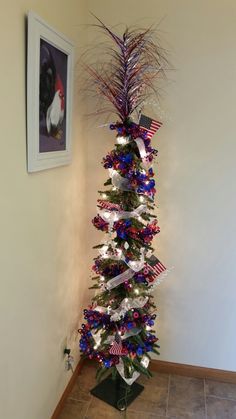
x: 164, y: 396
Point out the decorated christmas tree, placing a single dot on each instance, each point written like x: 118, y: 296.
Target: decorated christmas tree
x: 118, y: 329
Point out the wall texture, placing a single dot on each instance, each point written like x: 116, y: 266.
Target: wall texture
x: 196, y: 170
x: 43, y: 240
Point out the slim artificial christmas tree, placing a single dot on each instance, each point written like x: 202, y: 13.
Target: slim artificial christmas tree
x: 118, y: 332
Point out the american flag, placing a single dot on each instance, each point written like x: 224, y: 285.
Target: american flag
x: 150, y: 125
x: 154, y: 267
x: 108, y: 205
x: 116, y: 348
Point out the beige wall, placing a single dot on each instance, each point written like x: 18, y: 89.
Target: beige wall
x: 43, y: 236
x: 196, y: 167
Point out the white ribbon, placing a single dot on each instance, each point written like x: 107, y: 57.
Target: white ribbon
x: 112, y: 216
x: 118, y: 181
x: 145, y: 361
x: 135, y: 265
x: 119, y: 279
x: 110, y: 339
x: 141, y: 147
x: 97, y: 337
x: 109, y: 216
x: 132, y: 332
x: 121, y: 370
x: 142, y: 152
x: 126, y: 305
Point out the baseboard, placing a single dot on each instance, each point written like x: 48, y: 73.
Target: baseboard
x: 67, y: 390
x: 193, y: 371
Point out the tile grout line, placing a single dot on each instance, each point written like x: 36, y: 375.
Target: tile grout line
x: 204, y: 387
x: 87, y: 408
x: 79, y: 400
x: 221, y: 397
x: 168, y: 394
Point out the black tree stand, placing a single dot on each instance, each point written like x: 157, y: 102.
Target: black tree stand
x: 117, y: 392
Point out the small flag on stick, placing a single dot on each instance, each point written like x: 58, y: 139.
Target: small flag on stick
x: 117, y: 348
x: 154, y: 267
x: 150, y: 125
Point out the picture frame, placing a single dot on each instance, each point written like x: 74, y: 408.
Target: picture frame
x: 50, y: 61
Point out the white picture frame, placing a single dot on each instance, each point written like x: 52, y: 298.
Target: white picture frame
x: 50, y: 62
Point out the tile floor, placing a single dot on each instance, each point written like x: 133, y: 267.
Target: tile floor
x: 164, y: 396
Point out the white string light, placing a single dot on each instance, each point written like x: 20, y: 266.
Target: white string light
x: 106, y: 214
x: 122, y: 140
x: 119, y: 252
x: 103, y: 251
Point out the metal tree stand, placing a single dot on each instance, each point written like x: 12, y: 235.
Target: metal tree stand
x: 117, y: 392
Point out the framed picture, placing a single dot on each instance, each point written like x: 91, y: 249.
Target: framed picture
x: 49, y: 96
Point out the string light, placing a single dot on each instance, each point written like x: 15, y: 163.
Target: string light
x: 141, y: 198
x: 136, y: 291
x: 106, y: 215
x: 145, y: 361
x: 122, y: 140
x: 104, y: 195
x: 119, y: 252
x: 103, y: 252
